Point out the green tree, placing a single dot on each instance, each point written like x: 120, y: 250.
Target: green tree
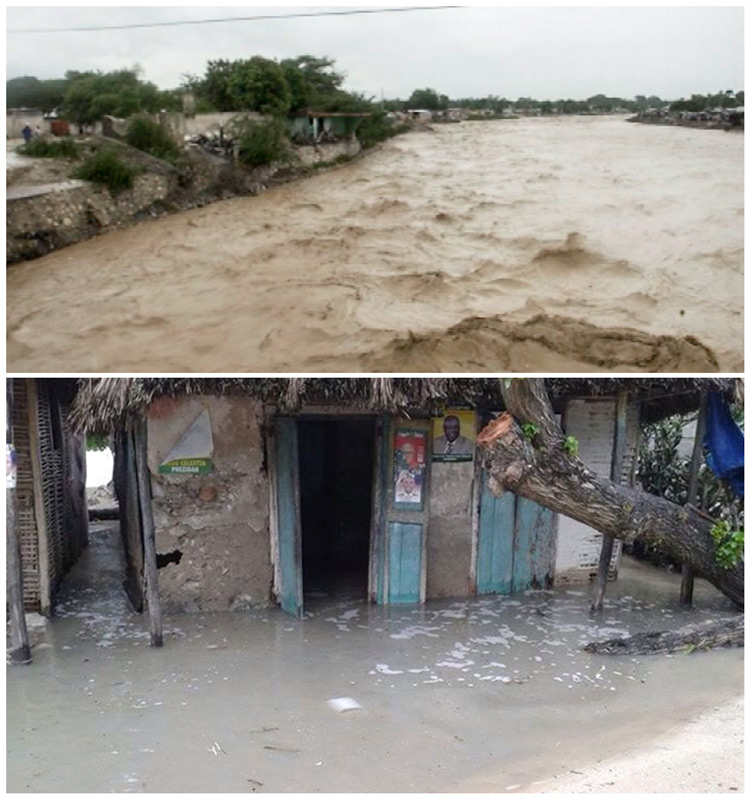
x: 30, y: 92
x: 259, y: 84
x: 312, y: 82
x: 215, y: 86
x: 428, y: 99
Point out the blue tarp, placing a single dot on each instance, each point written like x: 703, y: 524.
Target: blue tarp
x: 725, y: 442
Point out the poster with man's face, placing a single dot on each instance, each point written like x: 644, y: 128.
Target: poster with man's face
x: 453, y: 436
x: 409, y: 469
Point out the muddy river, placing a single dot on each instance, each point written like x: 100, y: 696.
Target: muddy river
x: 523, y: 245
x: 488, y: 694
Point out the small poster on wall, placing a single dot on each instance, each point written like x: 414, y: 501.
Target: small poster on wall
x: 454, y: 436
x: 193, y: 452
x: 410, y: 462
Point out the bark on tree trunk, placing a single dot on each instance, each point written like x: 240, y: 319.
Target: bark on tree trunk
x: 707, y: 635
x: 542, y: 469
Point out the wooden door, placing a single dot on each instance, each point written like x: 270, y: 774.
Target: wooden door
x: 398, y: 564
x: 516, y: 546
x: 288, y: 516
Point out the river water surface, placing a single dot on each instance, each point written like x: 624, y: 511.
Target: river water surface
x: 520, y: 245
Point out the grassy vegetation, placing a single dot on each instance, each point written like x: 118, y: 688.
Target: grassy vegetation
x: 106, y: 168
x: 50, y: 148
x: 378, y: 128
x: 263, y: 143
x: 148, y: 136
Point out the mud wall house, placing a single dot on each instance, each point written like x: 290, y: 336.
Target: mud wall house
x: 274, y: 491
x: 51, y: 514
x: 16, y: 120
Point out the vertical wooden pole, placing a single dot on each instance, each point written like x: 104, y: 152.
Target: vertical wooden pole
x: 688, y: 579
x: 149, y: 533
x: 20, y: 651
x: 615, y: 475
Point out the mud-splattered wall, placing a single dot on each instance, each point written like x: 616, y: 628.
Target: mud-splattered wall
x: 449, y: 536
x: 215, y: 525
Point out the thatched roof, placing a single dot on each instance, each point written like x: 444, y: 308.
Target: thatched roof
x: 104, y: 403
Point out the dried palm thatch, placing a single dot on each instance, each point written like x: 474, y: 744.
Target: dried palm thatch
x: 103, y: 403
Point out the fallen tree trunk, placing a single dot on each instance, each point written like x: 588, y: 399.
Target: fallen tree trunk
x: 706, y: 635
x: 539, y: 466
x: 111, y: 513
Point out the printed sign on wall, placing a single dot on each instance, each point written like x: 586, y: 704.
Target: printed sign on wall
x: 410, y: 462
x: 193, y: 452
x: 454, y: 436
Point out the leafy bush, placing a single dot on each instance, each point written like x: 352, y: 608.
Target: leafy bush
x: 378, y: 128
x: 108, y: 169
x: 730, y: 544
x: 145, y: 134
x: 51, y: 148
x: 263, y: 143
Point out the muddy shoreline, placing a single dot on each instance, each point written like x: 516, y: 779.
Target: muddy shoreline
x: 202, y: 181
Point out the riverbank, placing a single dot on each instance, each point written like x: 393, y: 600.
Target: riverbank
x: 680, y: 122
x: 47, y: 210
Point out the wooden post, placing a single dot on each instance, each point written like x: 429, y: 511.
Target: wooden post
x: 615, y: 475
x: 20, y: 651
x: 149, y: 533
x: 688, y: 579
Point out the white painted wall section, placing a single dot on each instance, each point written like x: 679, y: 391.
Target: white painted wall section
x: 592, y: 422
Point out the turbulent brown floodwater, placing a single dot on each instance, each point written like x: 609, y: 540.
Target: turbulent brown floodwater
x: 528, y: 245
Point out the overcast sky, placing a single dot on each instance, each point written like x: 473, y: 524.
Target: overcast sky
x: 546, y: 53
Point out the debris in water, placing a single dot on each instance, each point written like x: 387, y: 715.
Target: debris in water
x: 344, y: 703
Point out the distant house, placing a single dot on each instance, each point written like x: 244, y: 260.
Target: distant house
x: 420, y: 114
x: 318, y: 126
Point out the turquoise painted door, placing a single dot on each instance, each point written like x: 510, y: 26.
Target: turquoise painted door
x: 399, y: 548
x: 495, y: 552
x: 516, y: 546
x: 288, y: 512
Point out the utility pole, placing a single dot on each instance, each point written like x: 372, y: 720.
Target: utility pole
x: 20, y: 652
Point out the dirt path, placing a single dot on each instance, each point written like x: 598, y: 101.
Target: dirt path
x: 544, y: 245
x: 704, y: 755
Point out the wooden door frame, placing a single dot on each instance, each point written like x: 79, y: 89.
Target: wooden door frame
x: 321, y: 413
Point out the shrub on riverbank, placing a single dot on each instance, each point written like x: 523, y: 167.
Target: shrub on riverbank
x: 378, y: 128
x: 264, y: 142
x: 106, y: 168
x: 148, y: 136
x: 50, y: 148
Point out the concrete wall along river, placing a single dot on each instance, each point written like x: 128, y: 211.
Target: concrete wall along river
x: 532, y: 244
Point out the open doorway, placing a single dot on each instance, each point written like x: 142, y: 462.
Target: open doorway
x: 335, y: 477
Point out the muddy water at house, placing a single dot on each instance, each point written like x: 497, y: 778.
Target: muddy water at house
x: 538, y: 244
x: 458, y: 695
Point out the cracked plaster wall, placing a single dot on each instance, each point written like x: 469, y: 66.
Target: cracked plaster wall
x: 219, y: 521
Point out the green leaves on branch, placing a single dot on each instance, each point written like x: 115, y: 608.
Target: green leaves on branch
x: 570, y: 445
x: 530, y: 431
x: 730, y: 544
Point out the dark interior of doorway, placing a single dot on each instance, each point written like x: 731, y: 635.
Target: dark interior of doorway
x: 336, y: 470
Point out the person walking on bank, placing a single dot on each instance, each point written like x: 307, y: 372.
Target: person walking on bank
x: 26, y: 133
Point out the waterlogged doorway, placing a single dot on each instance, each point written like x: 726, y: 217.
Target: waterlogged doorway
x: 335, y: 487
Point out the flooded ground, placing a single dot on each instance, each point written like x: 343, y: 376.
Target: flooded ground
x: 485, y: 694
x: 523, y: 245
